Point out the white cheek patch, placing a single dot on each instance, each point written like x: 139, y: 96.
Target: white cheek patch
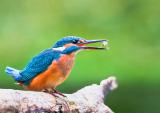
x: 59, y: 48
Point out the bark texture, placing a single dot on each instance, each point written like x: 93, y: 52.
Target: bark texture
x: 89, y: 99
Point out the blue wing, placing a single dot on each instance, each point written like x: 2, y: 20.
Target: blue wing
x: 38, y: 64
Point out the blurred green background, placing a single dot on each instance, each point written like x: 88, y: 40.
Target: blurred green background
x: 131, y: 26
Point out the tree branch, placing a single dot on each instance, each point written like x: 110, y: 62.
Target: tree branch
x: 89, y: 99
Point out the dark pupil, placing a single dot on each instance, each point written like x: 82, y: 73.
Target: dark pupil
x: 75, y: 41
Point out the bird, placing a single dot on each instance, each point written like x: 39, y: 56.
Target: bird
x: 52, y: 66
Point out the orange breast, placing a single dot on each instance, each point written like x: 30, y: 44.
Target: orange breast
x: 57, y: 72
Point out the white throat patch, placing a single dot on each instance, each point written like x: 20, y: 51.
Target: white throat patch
x: 59, y: 48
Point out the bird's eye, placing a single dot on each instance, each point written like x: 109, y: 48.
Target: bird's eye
x: 75, y: 41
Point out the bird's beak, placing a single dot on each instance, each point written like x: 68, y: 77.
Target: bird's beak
x: 86, y: 42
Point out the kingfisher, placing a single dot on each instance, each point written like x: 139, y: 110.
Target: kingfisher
x: 52, y: 66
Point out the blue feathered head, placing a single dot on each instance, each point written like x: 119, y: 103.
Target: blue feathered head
x: 67, y: 40
x: 71, y: 44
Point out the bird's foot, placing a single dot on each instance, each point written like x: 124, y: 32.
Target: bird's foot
x: 49, y: 92
x: 57, y: 92
x: 53, y: 92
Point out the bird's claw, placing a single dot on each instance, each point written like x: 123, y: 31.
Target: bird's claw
x: 57, y: 92
x: 53, y: 92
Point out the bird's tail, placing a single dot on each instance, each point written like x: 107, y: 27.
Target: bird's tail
x: 13, y: 72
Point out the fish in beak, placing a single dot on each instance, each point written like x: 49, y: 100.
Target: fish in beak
x: 84, y: 44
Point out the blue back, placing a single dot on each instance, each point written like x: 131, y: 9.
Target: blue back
x: 39, y: 64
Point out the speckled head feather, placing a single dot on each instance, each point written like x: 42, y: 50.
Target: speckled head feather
x: 66, y: 40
